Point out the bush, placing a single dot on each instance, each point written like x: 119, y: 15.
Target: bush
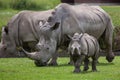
x: 29, y: 4
x: 25, y: 4
x: 19, y: 4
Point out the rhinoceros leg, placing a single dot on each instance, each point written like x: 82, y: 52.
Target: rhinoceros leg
x: 108, y: 40
x: 77, y: 64
x: 53, y: 61
x: 86, y: 62
x: 94, y: 62
x: 71, y: 61
x: 110, y: 55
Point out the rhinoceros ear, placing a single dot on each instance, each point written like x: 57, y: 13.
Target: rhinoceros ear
x: 55, y: 26
x: 69, y: 36
x: 6, y: 29
x: 41, y: 22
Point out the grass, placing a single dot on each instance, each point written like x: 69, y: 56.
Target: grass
x: 28, y: 4
x: 114, y: 12
x: 24, y: 69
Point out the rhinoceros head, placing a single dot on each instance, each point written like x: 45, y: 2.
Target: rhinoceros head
x: 46, y: 49
x: 74, y: 45
x: 7, y: 46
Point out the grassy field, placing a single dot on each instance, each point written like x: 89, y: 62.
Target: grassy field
x: 24, y: 69
x: 28, y: 4
x: 114, y: 12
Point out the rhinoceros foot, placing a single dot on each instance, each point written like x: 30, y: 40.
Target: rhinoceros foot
x: 77, y: 70
x: 110, y: 57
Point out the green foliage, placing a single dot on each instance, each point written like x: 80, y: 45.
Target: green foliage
x: 28, y: 4
x: 114, y: 12
x: 5, y: 16
x: 24, y: 69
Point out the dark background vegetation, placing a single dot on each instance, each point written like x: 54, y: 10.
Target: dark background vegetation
x: 28, y: 4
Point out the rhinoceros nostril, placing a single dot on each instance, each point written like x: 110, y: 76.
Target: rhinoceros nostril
x: 75, y: 50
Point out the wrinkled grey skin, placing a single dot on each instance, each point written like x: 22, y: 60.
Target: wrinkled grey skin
x: 81, y: 47
x: 22, y: 30
x: 37, y: 56
x: 82, y: 19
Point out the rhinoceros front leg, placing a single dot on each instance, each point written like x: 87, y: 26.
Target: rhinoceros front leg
x: 94, y: 62
x: 71, y: 61
x: 53, y: 61
x: 78, y: 63
x: 110, y: 55
x: 108, y: 40
x: 86, y: 62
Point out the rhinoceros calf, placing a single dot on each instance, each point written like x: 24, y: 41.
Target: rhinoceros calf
x: 81, y: 47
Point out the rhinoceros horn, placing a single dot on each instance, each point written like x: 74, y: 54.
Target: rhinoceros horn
x: 32, y: 55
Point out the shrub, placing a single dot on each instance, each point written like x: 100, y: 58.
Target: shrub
x: 29, y: 4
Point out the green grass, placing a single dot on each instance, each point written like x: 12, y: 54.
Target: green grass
x: 24, y: 69
x: 5, y: 16
x: 114, y: 12
x: 28, y: 4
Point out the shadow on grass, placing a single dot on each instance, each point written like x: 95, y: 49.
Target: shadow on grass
x: 85, y: 72
x: 98, y: 64
x: 104, y: 64
x: 60, y: 65
x: 63, y: 65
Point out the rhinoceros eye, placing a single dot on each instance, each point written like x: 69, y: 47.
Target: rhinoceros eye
x: 47, y: 48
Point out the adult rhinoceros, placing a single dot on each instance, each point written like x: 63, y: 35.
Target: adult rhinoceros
x: 66, y: 20
x: 22, y: 30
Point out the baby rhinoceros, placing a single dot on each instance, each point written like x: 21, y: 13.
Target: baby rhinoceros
x: 81, y: 47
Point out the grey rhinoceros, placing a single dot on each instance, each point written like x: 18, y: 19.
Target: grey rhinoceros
x: 81, y: 47
x: 66, y: 20
x: 22, y: 30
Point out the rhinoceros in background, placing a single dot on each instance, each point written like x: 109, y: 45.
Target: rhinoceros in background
x: 22, y: 30
x: 66, y: 20
x: 81, y: 47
